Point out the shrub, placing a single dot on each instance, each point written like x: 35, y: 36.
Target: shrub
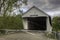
x: 50, y: 35
x: 56, y: 23
x: 11, y: 22
x: 2, y: 31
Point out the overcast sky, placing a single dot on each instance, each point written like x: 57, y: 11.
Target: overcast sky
x: 51, y: 7
x: 47, y: 5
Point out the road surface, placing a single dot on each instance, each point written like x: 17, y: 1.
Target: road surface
x: 25, y: 36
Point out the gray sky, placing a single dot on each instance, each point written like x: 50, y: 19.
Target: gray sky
x: 47, y: 5
x: 50, y: 6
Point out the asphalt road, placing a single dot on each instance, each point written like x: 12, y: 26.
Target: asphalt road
x: 25, y: 36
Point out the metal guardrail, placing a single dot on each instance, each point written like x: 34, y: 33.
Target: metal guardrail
x: 8, y: 31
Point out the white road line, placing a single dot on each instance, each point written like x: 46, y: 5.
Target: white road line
x: 30, y: 33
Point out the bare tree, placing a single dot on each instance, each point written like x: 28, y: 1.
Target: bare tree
x: 7, y: 5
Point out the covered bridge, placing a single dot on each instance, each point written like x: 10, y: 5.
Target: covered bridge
x: 36, y: 19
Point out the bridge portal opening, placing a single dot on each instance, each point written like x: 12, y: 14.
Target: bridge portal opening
x: 37, y: 23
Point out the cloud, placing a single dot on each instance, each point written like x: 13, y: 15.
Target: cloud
x: 47, y: 5
x: 54, y: 2
x: 54, y: 13
x: 38, y: 2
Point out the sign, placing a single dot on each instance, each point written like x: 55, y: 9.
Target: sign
x: 33, y: 15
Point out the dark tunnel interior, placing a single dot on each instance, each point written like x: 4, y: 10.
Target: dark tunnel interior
x: 36, y: 23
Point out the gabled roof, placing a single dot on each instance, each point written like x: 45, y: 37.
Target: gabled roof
x: 39, y: 10
x: 36, y: 8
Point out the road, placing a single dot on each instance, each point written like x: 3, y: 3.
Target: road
x: 25, y: 36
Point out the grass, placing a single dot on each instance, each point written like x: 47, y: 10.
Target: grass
x: 50, y: 35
